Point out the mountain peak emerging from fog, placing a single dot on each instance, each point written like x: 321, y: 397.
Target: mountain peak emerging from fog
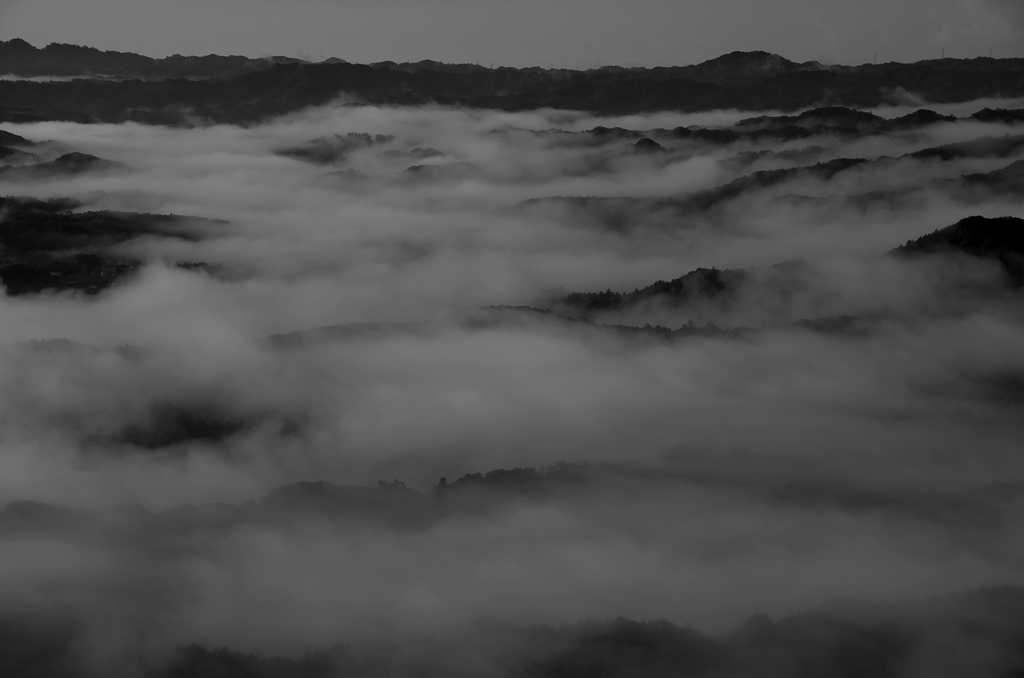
x: 1001, y: 238
x: 751, y: 64
x: 976, y: 235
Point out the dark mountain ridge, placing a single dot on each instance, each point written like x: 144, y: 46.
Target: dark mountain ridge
x: 622, y: 213
x: 739, y: 80
x: 18, y: 57
x: 1000, y: 239
x: 66, y: 164
x: 11, y: 139
x: 45, y: 245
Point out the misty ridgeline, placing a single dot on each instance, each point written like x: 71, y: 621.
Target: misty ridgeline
x: 331, y: 369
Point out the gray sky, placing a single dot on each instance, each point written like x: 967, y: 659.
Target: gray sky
x: 572, y: 33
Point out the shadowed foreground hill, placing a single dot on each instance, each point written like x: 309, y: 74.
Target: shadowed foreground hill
x: 980, y: 634
x: 1001, y: 238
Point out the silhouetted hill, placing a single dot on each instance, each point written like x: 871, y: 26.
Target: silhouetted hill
x: 831, y: 116
x: 1001, y: 238
x: 625, y: 213
x: 11, y: 139
x: 759, y: 180
x: 795, y: 155
x: 1003, y: 115
x: 69, y: 163
x: 742, y: 67
x: 8, y: 155
x: 504, y: 318
x: 646, y: 145
x: 18, y: 57
x: 36, y: 226
x: 1009, y: 179
x: 327, y: 150
x: 796, y: 480
x: 702, y: 282
x: 843, y: 120
x: 167, y: 424
x: 248, y: 91
x: 622, y: 213
x: 449, y: 171
x: 979, y: 236
x: 429, y: 65
x: 46, y: 246
x: 984, y: 147
x: 977, y: 633
x: 838, y: 122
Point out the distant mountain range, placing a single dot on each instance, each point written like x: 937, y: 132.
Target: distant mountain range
x: 116, y: 87
x: 58, y: 60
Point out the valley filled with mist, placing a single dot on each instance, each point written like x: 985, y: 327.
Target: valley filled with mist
x: 381, y: 381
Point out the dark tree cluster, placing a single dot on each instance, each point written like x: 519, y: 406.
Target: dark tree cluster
x: 331, y: 149
x: 1001, y: 239
x: 59, y: 59
x: 699, y: 283
x: 45, y: 245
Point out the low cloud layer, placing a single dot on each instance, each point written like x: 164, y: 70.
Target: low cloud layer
x: 766, y: 469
